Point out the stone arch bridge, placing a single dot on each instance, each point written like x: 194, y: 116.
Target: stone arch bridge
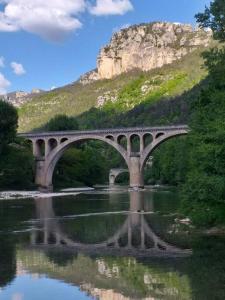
x: 48, y: 147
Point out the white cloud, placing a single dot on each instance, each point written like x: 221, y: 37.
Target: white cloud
x: 50, y: 19
x: 54, y: 19
x: 111, y: 7
x: 2, y: 62
x: 4, y: 84
x: 18, y: 69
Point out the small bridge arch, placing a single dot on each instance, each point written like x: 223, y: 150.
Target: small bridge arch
x: 157, y: 141
x: 114, y: 173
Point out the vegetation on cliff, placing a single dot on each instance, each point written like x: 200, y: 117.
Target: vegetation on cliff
x: 137, y: 94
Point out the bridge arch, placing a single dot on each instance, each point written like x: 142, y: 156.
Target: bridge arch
x: 160, y: 138
x: 39, y: 146
x: 147, y: 139
x: 57, y: 153
x: 114, y: 173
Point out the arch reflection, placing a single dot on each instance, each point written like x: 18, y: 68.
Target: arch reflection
x: 134, y: 236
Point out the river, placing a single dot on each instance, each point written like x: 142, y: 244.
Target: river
x: 109, y: 245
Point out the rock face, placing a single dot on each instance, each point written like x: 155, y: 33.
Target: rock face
x: 18, y: 98
x: 89, y: 77
x: 147, y: 46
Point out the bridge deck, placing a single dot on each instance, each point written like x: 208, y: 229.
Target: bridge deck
x: 104, y: 131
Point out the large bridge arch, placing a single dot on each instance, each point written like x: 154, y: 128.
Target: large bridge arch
x: 162, y: 138
x: 56, y: 154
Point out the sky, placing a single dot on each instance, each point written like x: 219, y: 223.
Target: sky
x: 49, y: 43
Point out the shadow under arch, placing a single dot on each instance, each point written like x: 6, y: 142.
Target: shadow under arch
x: 57, y: 153
x: 155, y: 144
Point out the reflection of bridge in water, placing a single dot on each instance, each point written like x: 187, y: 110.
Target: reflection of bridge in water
x: 134, y: 236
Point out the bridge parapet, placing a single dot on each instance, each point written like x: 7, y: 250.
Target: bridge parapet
x: 102, y: 132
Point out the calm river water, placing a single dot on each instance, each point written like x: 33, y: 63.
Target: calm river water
x: 108, y: 245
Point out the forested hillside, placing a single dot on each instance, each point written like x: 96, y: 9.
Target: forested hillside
x: 139, y: 94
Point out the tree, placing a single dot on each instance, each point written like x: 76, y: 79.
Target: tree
x: 214, y: 18
x: 16, y: 160
x: 16, y: 167
x: 204, y: 190
x: 79, y: 167
x: 8, y: 123
x: 62, y: 122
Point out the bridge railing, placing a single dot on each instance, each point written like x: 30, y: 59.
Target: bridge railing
x: 105, y: 131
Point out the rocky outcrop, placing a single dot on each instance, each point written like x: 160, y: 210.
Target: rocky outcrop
x: 89, y: 77
x: 18, y: 98
x: 147, y: 46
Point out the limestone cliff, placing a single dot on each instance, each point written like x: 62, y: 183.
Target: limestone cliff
x: 147, y: 46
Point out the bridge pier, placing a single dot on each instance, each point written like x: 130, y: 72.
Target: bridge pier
x: 45, y: 189
x: 136, y: 174
x: 112, y: 179
x: 40, y: 176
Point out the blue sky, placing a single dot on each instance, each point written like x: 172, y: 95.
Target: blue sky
x: 50, y: 43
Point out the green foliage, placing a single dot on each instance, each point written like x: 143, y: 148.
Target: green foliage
x: 16, y: 168
x: 214, y: 60
x: 157, y: 87
x: 170, y: 163
x: 204, y: 190
x: 8, y: 124
x: 16, y: 161
x: 60, y: 123
x: 80, y: 167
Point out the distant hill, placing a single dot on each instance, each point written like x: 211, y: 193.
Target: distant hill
x: 144, y: 65
x: 19, y: 98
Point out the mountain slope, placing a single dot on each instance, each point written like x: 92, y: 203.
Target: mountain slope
x: 133, y: 88
x: 123, y: 92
